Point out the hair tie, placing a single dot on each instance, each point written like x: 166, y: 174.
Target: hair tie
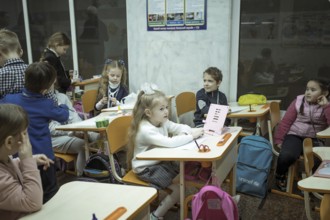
x: 149, y: 88
x: 108, y: 61
x: 121, y: 62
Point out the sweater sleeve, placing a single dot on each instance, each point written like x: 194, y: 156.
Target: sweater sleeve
x: 327, y: 113
x: 202, y: 108
x: 21, y: 197
x: 285, y: 124
x: 152, y: 137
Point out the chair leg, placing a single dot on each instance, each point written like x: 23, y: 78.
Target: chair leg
x: 307, y: 205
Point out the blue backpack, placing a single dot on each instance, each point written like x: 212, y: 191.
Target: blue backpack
x: 253, y: 166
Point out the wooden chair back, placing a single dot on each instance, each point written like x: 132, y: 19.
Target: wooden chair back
x: 325, y: 207
x: 185, y: 102
x: 88, y: 100
x: 308, y: 156
x: 274, y: 119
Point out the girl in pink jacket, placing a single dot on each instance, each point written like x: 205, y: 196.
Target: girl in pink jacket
x: 306, y: 115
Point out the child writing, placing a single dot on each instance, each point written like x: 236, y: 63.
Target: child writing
x: 57, y: 46
x: 20, y: 183
x: 306, y: 115
x: 150, y: 128
x: 112, y: 87
x: 40, y: 78
x: 212, y: 78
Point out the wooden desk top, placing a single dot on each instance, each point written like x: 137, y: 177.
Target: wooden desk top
x: 89, y: 124
x: 189, y: 152
x: 322, y: 152
x: 258, y: 111
x: 86, y: 82
x: 324, y: 134
x: 315, y: 184
x: 79, y: 200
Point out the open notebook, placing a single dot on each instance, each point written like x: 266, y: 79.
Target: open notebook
x: 323, y: 170
x: 215, y: 119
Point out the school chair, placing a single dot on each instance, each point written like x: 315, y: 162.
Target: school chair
x: 116, y: 133
x: 185, y: 102
x: 88, y: 100
x: 325, y: 207
x: 308, y: 164
x: 274, y: 119
x: 68, y: 158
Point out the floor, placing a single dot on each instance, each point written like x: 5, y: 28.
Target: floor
x: 276, y: 207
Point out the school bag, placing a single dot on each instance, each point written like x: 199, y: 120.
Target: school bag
x: 212, y: 203
x: 98, y: 167
x: 253, y: 166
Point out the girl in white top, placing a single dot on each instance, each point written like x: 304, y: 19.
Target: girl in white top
x: 151, y: 128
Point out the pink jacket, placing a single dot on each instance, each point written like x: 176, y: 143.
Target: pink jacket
x: 20, y: 188
x: 314, y: 119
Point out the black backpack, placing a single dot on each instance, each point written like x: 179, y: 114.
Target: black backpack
x: 98, y: 168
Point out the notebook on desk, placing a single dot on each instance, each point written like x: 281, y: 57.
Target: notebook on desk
x: 215, y: 119
x: 323, y: 170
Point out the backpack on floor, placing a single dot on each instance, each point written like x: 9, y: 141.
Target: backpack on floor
x: 253, y: 166
x: 98, y: 167
x: 212, y: 203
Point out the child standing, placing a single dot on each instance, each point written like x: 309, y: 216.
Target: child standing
x: 112, y: 87
x: 212, y: 78
x: 306, y: 115
x: 12, y: 66
x: 57, y: 46
x: 20, y: 183
x: 150, y: 128
x: 40, y: 78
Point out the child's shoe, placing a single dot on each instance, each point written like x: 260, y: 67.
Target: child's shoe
x: 153, y: 217
x: 281, y: 182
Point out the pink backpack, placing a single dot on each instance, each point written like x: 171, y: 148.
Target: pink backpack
x: 212, y: 203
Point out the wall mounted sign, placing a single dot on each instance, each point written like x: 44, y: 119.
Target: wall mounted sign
x: 176, y: 15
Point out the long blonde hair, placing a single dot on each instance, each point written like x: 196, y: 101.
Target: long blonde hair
x: 144, y: 101
x: 104, y: 82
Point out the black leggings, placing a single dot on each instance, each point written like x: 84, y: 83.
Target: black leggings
x: 292, y: 148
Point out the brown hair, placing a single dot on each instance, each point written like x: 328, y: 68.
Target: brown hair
x: 215, y: 73
x: 39, y: 76
x: 13, y: 120
x: 58, y: 39
x: 9, y: 42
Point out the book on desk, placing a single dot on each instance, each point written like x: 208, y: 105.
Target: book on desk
x: 323, y: 170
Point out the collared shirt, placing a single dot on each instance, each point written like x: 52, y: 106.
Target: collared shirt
x: 12, y: 76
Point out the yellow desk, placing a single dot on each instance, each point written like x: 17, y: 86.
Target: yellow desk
x: 223, y: 159
x: 79, y: 200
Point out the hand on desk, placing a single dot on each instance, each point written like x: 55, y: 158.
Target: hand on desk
x: 197, y: 132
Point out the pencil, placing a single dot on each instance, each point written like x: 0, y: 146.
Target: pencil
x: 197, y: 144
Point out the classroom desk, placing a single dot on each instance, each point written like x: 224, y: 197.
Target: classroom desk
x: 324, y: 134
x: 88, y: 84
x: 260, y: 112
x: 317, y: 184
x: 79, y: 200
x: 89, y: 125
x: 223, y: 159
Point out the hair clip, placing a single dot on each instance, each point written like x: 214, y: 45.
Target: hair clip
x: 108, y: 61
x: 121, y: 62
x: 148, y: 88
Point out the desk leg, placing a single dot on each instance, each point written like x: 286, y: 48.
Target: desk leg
x: 86, y: 145
x: 182, y: 190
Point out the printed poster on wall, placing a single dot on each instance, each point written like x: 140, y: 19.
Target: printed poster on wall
x: 176, y: 15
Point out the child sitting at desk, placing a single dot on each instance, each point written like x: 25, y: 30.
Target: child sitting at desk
x: 70, y: 142
x: 306, y: 115
x: 39, y: 79
x: 212, y: 78
x: 20, y: 183
x: 150, y: 128
x: 112, y: 87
